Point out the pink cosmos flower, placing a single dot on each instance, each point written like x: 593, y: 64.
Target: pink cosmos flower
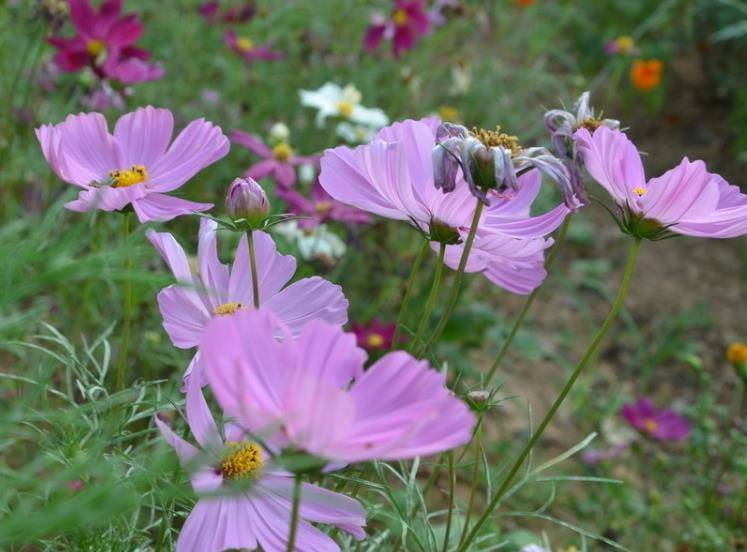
x: 393, y: 177
x: 278, y: 162
x: 213, y: 13
x: 257, y: 513
x: 135, y: 165
x: 375, y: 335
x: 311, y: 393
x: 104, y: 41
x: 686, y: 200
x: 320, y: 207
x: 661, y: 425
x: 408, y: 21
x: 215, y: 290
x: 248, y: 50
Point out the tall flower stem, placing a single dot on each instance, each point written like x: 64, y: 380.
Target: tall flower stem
x: 560, y: 239
x: 588, y: 355
x: 293, y: 529
x: 126, y: 305
x: 473, y: 485
x: 450, y: 511
x: 454, y: 297
x: 253, y: 265
x: 408, y: 290
x: 432, y: 296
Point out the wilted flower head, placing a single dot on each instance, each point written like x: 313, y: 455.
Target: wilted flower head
x: 408, y: 21
x: 661, y: 425
x: 245, y: 500
x: 561, y: 125
x: 685, y: 200
x: 331, y: 100
x: 247, y: 200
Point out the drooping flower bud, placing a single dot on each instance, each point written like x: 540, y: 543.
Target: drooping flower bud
x: 247, y: 200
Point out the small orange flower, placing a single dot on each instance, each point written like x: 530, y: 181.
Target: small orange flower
x: 646, y: 74
x: 737, y: 353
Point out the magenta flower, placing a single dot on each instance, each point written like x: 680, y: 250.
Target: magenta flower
x: 320, y: 207
x: 213, y: 13
x: 661, y: 425
x: 311, y: 393
x: 105, y: 41
x: 248, y: 50
x: 135, y: 165
x: 278, y: 162
x: 393, y: 177
x: 257, y: 513
x: 408, y: 21
x: 215, y: 290
x: 686, y: 200
x: 375, y: 335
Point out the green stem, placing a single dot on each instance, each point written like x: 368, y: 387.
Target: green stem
x: 588, y: 355
x: 408, y: 290
x: 127, y: 305
x: 528, y: 303
x: 473, y: 485
x: 294, y: 514
x: 452, y: 485
x: 253, y: 265
x: 432, y: 296
x: 454, y: 297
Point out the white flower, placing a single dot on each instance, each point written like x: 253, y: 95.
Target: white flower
x: 279, y: 132
x: 306, y: 173
x: 313, y: 244
x: 355, y: 134
x: 333, y: 101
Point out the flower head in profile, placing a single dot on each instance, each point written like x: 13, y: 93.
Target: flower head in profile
x: 331, y: 100
x: 320, y: 207
x: 645, y: 74
x: 215, y: 290
x: 239, y: 12
x: 311, y: 393
x: 249, y: 50
x: 244, y: 500
x: 685, y: 200
x: 133, y: 166
x: 375, y: 335
x: 105, y: 41
x: 278, y: 160
x: 660, y: 425
x: 408, y: 21
x: 393, y: 176
x: 561, y: 125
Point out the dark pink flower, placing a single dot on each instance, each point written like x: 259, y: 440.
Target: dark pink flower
x: 105, y: 42
x: 248, y: 49
x: 278, y: 162
x: 320, y: 207
x: 213, y: 13
x: 661, y: 425
x: 374, y: 336
x: 407, y: 21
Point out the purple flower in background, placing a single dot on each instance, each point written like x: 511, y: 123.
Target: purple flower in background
x: 278, y: 162
x: 257, y: 514
x: 320, y: 207
x: 661, y: 425
x: 408, y: 21
x: 249, y: 50
x: 213, y: 13
x: 375, y: 335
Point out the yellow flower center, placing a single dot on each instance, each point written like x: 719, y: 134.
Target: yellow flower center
x: 375, y: 340
x: 323, y: 207
x: 345, y: 108
x: 128, y: 177
x: 244, y: 44
x: 650, y: 425
x: 737, y: 353
x: 591, y: 123
x: 496, y: 138
x: 448, y: 113
x: 95, y: 47
x: 400, y: 18
x: 282, y: 151
x: 244, y: 459
x: 227, y: 308
x: 626, y: 44
x: 639, y: 191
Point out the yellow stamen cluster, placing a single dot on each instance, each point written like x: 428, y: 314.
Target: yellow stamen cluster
x: 323, y: 207
x: 496, y: 138
x: 228, y: 308
x: 650, y: 425
x: 400, y: 18
x: 129, y: 177
x: 639, y: 191
x: 282, y: 151
x: 591, y: 124
x: 95, y: 47
x: 737, y: 353
x: 244, y: 44
x: 345, y: 108
x: 375, y: 340
x: 244, y: 459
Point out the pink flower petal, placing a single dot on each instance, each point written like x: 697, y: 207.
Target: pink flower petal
x: 144, y: 135
x: 160, y: 207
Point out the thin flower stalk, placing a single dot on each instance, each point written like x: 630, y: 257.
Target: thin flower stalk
x: 126, y: 305
x: 452, y: 485
x: 432, y: 296
x: 408, y: 290
x: 588, y: 355
x: 294, y: 513
x: 253, y: 266
x: 473, y: 484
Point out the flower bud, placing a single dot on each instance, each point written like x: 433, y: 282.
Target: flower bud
x: 279, y: 132
x: 247, y: 200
